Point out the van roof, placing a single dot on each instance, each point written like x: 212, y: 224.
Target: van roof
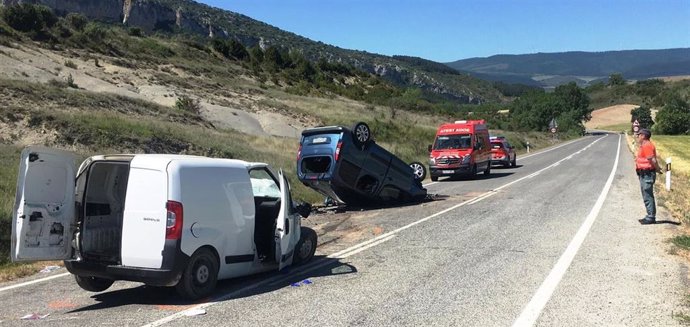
x: 173, y: 157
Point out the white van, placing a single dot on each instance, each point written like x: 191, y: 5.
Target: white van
x: 163, y: 220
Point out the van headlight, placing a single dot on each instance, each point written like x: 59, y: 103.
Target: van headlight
x: 432, y: 161
x: 466, y: 159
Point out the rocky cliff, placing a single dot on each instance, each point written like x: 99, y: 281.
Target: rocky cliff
x: 192, y: 17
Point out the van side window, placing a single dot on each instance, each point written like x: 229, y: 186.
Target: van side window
x: 263, y: 184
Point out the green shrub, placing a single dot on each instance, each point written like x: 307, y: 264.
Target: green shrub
x: 71, y: 64
x: 29, y: 18
x: 76, y: 21
x: 186, y: 103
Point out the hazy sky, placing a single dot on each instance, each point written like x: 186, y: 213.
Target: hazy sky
x: 449, y: 30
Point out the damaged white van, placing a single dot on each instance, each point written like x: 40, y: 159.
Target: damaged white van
x: 163, y: 220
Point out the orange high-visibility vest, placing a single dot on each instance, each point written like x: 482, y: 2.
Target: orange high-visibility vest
x: 646, y: 152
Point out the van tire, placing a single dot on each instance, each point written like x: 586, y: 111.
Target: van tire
x: 514, y: 162
x: 306, y: 246
x: 487, y: 171
x: 434, y: 178
x: 419, y: 170
x: 93, y: 284
x: 200, y: 276
x: 361, y: 134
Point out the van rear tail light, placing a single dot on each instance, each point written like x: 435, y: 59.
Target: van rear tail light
x: 337, y: 150
x: 299, y: 151
x: 173, y: 224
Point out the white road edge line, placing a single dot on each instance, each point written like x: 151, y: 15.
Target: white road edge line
x: 6, y: 288
x: 533, y: 310
x: 339, y: 255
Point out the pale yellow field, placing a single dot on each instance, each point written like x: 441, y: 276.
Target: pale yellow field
x: 610, y: 116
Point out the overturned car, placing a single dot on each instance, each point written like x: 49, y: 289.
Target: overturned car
x: 347, y: 166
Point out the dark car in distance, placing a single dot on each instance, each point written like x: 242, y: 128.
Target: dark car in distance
x: 347, y: 166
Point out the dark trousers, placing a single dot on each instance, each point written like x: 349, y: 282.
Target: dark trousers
x: 647, y: 179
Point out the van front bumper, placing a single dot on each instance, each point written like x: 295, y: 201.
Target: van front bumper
x: 456, y: 171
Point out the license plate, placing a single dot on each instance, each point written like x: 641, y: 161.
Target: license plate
x: 318, y: 140
x: 448, y: 171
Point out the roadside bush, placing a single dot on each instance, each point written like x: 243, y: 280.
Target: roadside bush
x: 674, y: 117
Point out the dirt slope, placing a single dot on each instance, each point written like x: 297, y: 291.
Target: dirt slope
x: 246, y: 115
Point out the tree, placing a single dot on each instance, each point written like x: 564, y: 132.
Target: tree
x: 29, y: 18
x: 616, y: 79
x: 674, y: 117
x: 238, y: 51
x: 643, y: 115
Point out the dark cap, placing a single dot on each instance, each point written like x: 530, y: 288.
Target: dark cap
x: 645, y: 132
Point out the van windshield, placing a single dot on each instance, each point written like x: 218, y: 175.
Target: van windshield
x: 459, y: 141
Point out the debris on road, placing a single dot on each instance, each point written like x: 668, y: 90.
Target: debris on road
x: 34, y: 316
x: 195, y: 312
x: 304, y: 282
x: 48, y: 269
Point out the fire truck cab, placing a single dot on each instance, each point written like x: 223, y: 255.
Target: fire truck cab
x: 461, y: 148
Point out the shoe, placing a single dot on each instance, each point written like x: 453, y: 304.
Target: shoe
x: 647, y: 221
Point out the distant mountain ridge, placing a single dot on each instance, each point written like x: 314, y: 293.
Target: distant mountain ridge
x: 193, y: 17
x: 550, y: 69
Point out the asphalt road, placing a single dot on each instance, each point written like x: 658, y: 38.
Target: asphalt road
x: 552, y: 242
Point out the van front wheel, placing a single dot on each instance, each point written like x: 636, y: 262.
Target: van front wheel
x: 200, y: 277
x: 93, y: 284
x: 306, y: 247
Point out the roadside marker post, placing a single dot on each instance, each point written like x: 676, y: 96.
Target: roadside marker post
x: 527, y: 147
x: 668, y: 173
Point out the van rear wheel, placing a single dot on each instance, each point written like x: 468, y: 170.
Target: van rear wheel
x: 200, y: 276
x: 361, y: 133
x: 93, y: 284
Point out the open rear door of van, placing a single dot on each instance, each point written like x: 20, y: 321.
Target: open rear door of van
x: 43, y: 218
x: 284, y: 250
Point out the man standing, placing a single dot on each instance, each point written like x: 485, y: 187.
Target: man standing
x: 647, y: 167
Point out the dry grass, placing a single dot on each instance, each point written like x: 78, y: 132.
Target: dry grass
x: 18, y: 270
x: 674, y: 147
x: 611, y: 116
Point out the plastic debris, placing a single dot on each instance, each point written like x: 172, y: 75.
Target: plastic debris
x: 48, y: 269
x: 304, y: 282
x: 195, y: 312
x: 34, y: 316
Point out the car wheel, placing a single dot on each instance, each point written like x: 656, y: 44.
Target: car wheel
x: 200, y: 276
x: 474, y: 170
x: 93, y: 284
x: 419, y: 170
x: 306, y: 246
x: 434, y: 178
x: 487, y: 171
x: 514, y: 162
x: 361, y: 133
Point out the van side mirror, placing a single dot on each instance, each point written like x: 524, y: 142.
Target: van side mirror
x: 303, y: 209
x: 429, y: 148
x: 476, y: 146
